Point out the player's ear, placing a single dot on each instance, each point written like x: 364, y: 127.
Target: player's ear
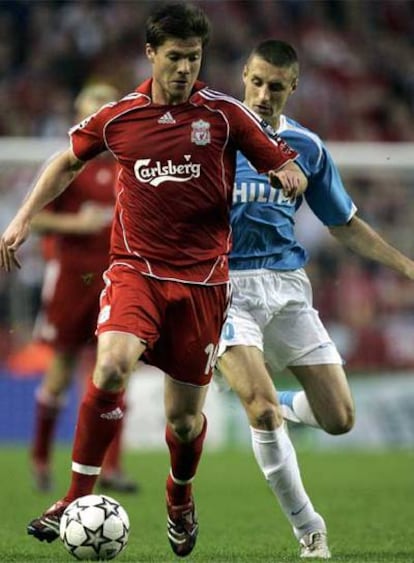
x: 150, y: 52
x: 294, y: 85
x: 244, y: 74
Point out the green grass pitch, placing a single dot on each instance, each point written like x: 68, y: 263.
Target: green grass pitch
x: 366, y: 498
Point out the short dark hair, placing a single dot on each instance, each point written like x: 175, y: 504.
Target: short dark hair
x: 277, y: 53
x: 178, y: 20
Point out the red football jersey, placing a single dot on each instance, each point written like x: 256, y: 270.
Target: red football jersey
x: 94, y: 185
x: 177, y: 172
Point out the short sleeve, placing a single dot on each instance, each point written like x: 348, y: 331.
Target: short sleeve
x: 87, y: 137
x: 326, y: 194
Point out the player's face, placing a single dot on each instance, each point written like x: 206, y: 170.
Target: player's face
x: 267, y: 88
x: 175, y: 68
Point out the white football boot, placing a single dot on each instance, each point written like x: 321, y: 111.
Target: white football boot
x: 314, y: 545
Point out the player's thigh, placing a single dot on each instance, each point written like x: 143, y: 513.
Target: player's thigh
x: 189, y: 335
x: 328, y: 392
x: 255, y: 298
x: 117, y: 355
x: 292, y: 334
x: 131, y: 303
x: 245, y: 371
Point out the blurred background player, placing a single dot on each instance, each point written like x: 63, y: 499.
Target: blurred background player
x: 76, y: 233
x: 271, y: 319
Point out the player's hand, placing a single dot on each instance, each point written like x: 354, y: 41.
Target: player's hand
x: 13, y: 237
x: 291, y: 182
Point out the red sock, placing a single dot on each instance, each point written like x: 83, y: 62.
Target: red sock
x: 46, y: 416
x: 184, y: 458
x: 112, y: 460
x: 100, y: 415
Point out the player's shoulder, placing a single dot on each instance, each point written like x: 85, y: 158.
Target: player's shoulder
x: 216, y: 98
x: 128, y: 102
x: 110, y: 111
x: 290, y: 127
x: 301, y: 138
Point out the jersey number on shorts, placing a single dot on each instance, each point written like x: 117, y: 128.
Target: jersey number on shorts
x: 211, y: 352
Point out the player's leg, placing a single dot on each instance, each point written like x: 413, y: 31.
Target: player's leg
x: 187, y: 352
x: 326, y: 401
x: 102, y: 408
x: 67, y: 322
x: 295, y: 337
x: 100, y: 413
x: 113, y: 477
x: 49, y: 401
x: 56, y: 324
x: 185, y: 433
x: 245, y: 371
x: 99, y: 417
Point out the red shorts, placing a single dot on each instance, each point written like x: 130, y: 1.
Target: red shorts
x: 180, y: 323
x: 70, y: 307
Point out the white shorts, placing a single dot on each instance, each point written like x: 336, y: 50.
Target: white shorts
x: 273, y: 311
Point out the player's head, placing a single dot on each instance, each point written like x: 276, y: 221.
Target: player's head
x: 92, y: 97
x: 175, y: 37
x: 270, y: 76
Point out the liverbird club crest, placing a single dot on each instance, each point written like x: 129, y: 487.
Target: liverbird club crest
x: 200, y: 134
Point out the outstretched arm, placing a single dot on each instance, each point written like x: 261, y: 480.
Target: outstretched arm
x: 52, y: 182
x: 358, y: 236
x: 90, y: 219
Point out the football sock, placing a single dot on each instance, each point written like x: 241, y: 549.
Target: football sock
x: 111, y: 463
x: 112, y: 460
x: 276, y: 456
x: 100, y: 416
x: 296, y: 408
x: 184, y: 459
x: 47, y: 411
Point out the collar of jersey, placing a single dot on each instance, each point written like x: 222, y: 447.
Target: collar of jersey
x: 145, y: 87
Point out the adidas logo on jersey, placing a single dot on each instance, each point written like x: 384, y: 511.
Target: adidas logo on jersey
x: 166, y: 119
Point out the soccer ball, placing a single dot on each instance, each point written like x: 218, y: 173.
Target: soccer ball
x: 94, y: 527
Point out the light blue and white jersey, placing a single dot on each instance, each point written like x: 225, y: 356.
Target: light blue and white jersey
x: 263, y: 219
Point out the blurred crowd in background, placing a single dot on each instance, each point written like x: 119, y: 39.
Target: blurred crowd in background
x: 356, y: 84
x: 357, y: 77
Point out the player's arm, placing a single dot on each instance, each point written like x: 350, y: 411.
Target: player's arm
x: 91, y: 218
x: 290, y: 178
x: 358, y: 236
x: 270, y: 154
x: 54, y: 179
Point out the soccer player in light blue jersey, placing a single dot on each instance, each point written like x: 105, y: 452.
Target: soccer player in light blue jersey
x: 272, y: 320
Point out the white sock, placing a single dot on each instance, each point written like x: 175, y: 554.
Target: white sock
x: 276, y: 456
x: 303, y: 411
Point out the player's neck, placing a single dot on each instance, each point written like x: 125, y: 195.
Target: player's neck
x: 275, y: 123
x: 163, y: 98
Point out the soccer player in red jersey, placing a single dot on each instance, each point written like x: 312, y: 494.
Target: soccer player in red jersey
x: 167, y: 286
x: 78, y: 225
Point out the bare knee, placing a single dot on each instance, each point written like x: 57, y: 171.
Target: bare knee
x: 262, y: 414
x: 340, y: 422
x: 183, y: 426
x: 112, y: 374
